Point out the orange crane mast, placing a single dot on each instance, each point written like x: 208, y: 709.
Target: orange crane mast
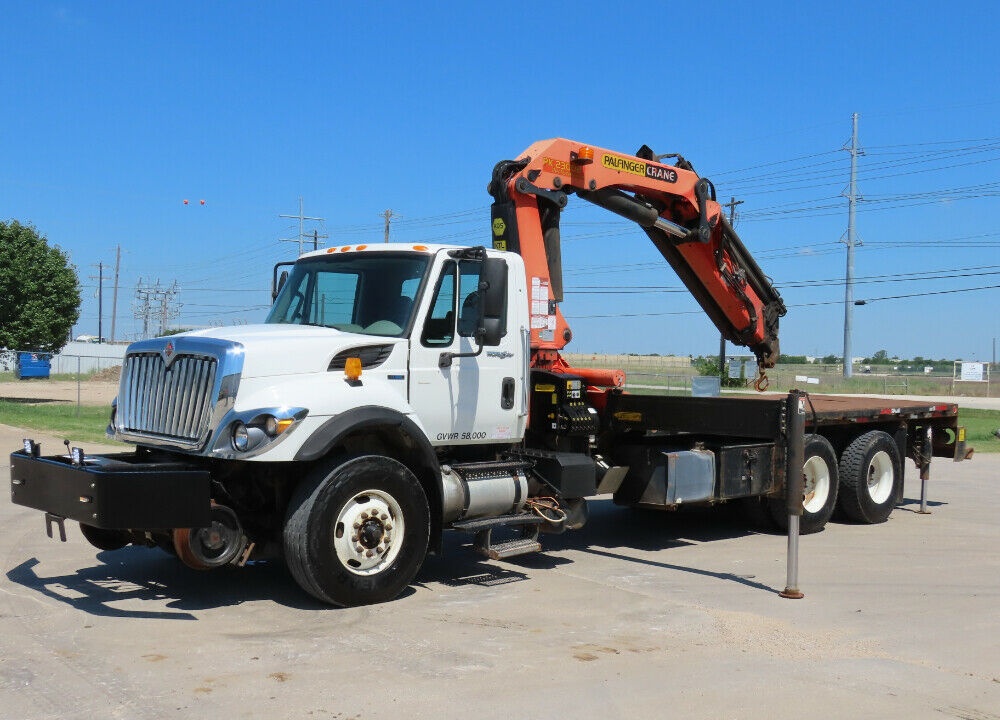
x: 673, y: 205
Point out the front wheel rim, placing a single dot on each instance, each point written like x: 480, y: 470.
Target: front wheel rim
x: 816, y: 484
x: 880, y: 475
x: 368, y: 534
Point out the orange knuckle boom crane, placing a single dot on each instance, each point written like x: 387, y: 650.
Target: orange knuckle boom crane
x: 673, y: 205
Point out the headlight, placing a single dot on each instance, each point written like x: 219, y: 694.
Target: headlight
x: 247, y: 434
x: 241, y: 437
x: 247, y: 437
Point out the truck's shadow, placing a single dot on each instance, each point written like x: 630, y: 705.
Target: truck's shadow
x: 610, y: 527
x: 147, y: 575
x: 613, y: 527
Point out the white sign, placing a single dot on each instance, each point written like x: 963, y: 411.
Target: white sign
x: 973, y: 372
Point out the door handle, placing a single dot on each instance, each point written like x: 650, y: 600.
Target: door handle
x: 507, y: 393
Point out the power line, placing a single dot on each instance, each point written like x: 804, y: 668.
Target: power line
x: 864, y: 301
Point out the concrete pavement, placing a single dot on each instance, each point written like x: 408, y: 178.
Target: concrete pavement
x: 636, y: 615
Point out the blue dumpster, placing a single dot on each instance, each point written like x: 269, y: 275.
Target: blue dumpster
x: 32, y: 365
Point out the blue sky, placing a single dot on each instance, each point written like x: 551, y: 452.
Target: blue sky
x: 113, y: 113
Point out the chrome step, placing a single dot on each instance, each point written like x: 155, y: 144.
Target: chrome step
x: 527, y: 543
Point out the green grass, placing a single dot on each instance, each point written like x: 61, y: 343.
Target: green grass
x: 86, y: 423
x: 979, y: 428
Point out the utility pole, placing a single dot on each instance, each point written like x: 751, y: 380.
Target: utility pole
x: 100, y: 301
x: 733, y: 202
x: 852, y: 201
x: 302, y: 218
x: 114, y: 296
x: 388, y: 216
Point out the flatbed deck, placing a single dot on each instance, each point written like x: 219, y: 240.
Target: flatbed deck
x: 838, y: 408
x: 760, y: 416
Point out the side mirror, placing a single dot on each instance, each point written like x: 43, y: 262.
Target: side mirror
x: 278, y: 282
x: 282, y: 279
x: 492, y: 302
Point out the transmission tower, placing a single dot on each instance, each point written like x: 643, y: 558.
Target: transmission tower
x: 153, y: 302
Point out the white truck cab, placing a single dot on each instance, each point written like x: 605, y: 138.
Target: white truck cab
x: 408, y: 313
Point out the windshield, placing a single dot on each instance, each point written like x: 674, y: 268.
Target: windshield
x: 371, y: 293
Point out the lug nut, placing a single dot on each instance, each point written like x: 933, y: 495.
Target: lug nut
x: 383, y: 517
x: 388, y: 526
x: 370, y: 553
x: 357, y: 524
x: 354, y: 538
x: 359, y: 547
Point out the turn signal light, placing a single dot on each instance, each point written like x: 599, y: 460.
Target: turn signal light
x: 352, y: 368
x: 274, y: 427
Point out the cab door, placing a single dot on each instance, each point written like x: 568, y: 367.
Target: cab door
x: 473, y: 399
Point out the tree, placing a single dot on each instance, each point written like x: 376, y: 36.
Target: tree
x: 40, y: 291
x: 706, y: 365
x: 791, y: 359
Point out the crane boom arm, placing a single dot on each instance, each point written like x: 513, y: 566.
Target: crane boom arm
x: 675, y: 207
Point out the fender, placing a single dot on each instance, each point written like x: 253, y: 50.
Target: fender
x: 326, y: 437
x: 336, y: 428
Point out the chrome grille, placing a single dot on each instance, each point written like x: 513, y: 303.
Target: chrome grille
x: 168, y: 401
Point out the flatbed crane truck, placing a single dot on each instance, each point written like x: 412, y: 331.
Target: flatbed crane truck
x: 395, y: 392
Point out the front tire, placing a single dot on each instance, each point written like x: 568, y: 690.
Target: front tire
x: 870, y: 471
x: 819, y: 481
x: 357, y: 531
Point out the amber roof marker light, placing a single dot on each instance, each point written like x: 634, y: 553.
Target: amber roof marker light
x: 583, y: 156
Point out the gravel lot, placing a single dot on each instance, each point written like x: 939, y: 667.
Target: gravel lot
x: 635, y: 615
x: 87, y: 392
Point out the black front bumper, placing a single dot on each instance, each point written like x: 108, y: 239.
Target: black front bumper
x: 113, y: 492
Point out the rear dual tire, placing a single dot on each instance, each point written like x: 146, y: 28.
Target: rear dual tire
x: 820, y: 480
x: 871, y: 475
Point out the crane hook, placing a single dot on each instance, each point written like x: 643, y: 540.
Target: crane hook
x: 762, y: 382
